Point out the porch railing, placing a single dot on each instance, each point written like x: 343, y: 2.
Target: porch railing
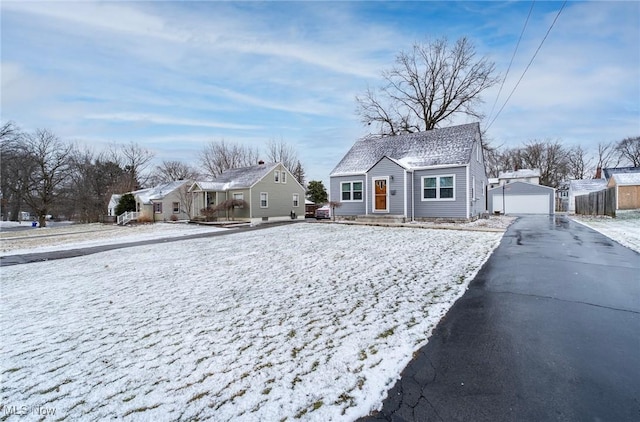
x: 127, y: 216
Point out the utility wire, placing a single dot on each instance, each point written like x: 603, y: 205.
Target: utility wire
x: 512, y: 57
x: 527, y: 68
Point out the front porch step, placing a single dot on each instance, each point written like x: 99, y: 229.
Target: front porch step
x: 381, y: 218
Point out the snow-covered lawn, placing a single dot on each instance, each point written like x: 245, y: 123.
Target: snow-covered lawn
x: 624, y: 229
x: 73, y: 236
x: 309, y: 321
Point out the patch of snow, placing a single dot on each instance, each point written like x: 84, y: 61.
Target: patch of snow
x: 311, y: 321
x: 624, y: 229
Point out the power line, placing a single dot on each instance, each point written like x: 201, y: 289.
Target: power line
x: 512, y: 57
x: 528, y: 65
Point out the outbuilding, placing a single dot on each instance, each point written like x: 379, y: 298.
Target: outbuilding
x: 521, y: 198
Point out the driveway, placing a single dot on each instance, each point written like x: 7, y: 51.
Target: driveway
x: 548, y: 330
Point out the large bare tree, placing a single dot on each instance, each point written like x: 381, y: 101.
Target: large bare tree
x: 282, y: 152
x: 170, y: 171
x: 579, y: 163
x: 431, y: 84
x: 629, y: 150
x: 219, y: 156
x: 135, y: 160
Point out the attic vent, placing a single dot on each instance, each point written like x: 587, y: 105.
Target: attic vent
x: 260, y: 162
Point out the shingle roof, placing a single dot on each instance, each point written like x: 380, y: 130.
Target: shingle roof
x: 158, y: 192
x: 587, y: 185
x: 608, y: 172
x: 519, y: 174
x: 627, y: 178
x: 435, y: 147
x: 239, y: 178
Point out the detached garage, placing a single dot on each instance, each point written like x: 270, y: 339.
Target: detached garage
x: 521, y: 198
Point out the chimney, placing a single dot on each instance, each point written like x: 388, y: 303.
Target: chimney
x: 598, y: 173
x: 260, y: 162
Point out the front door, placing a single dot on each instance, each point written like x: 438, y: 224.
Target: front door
x: 380, y: 195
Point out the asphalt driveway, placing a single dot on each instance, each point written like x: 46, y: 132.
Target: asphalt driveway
x: 548, y: 330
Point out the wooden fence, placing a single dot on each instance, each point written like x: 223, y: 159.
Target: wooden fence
x: 602, y: 202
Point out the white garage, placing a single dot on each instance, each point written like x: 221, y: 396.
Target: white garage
x: 521, y: 198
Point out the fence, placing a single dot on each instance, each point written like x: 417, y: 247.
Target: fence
x: 602, y: 202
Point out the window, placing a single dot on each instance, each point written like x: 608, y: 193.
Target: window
x: 438, y: 188
x: 351, y: 191
x: 296, y: 200
x: 283, y: 176
x: 276, y: 176
x: 176, y: 207
x: 264, y: 200
x: 157, y: 207
x: 239, y: 196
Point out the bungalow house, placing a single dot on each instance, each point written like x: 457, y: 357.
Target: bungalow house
x: 523, y: 175
x: 167, y: 201
x: 627, y: 187
x: 427, y: 175
x: 269, y: 190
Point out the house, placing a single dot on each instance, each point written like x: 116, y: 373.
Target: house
x: 583, y: 187
x: 562, y: 197
x: 606, y: 173
x: 523, y: 175
x: 269, y: 190
x: 167, y: 201
x: 521, y: 198
x: 627, y: 187
x: 427, y: 175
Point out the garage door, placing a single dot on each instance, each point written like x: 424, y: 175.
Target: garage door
x: 522, y: 204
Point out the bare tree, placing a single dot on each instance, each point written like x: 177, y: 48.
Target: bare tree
x: 135, y: 160
x: 579, y: 163
x: 607, y: 155
x: 629, y: 150
x: 298, y: 173
x: 14, y: 171
x: 548, y: 156
x: 432, y: 83
x: 170, y: 171
x: 219, y: 156
x: 51, y: 161
x: 282, y: 152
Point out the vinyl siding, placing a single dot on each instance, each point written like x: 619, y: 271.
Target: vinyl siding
x: 348, y: 208
x: 396, y: 193
x: 441, y: 209
x: 522, y: 188
x: 280, y: 199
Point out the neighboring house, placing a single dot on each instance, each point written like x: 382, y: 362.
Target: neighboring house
x: 562, y: 197
x: 270, y: 191
x: 434, y: 174
x: 583, y: 187
x: 521, y: 198
x: 606, y: 173
x: 524, y: 175
x: 168, y: 201
x: 627, y: 189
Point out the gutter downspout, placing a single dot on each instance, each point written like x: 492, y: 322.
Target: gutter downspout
x: 413, y: 198
x: 468, y: 194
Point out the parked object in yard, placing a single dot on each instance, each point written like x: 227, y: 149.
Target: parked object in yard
x: 323, y: 213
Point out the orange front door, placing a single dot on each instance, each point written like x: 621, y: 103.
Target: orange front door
x: 380, y: 200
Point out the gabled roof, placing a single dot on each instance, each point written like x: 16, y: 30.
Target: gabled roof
x: 158, y: 192
x: 587, y: 185
x: 627, y: 179
x: 608, y: 172
x: 239, y: 178
x: 446, y: 146
x: 519, y: 174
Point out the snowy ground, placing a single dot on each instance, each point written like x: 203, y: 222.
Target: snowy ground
x: 624, y: 229
x: 308, y: 321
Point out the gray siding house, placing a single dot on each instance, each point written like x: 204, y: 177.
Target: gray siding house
x: 427, y: 175
x: 270, y: 191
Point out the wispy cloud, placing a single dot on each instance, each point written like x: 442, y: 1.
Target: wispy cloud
x: 169, y: 121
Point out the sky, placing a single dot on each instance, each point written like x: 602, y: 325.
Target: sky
x: 173, y: 76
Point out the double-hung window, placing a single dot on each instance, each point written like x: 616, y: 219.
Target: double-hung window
x: 238, y: 196
x: 351, y: 191
x: 436, y: 188
x: 157, y: 207
x: 283, y: 177
x: 276, y: 176
x: 176, y: 207
x: 296, y: 200
x: 264, y: 200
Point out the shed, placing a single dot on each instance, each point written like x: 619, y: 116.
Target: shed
x: 627, y: 190
x: 521, y: 198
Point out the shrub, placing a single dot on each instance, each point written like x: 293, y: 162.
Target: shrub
x: 127, y: 203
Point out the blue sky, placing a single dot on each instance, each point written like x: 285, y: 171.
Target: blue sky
x: 172, y: 76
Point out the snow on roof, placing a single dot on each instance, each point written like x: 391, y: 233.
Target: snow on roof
x: 608, y: 172
x: 519, y: 174
x: 158, y: 192
x: 588, y: 185
x: 627, y: 178
x: 435, y: 147
x: 239, y: 178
